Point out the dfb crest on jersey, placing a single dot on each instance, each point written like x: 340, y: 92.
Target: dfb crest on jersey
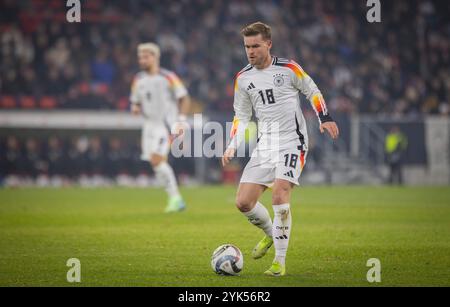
x: 278, y: 80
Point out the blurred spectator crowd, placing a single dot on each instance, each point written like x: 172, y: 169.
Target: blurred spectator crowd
x: 77, y: 159
x: 399, y: 66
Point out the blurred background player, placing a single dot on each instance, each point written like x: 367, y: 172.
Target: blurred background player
x: 271, y: 86
x: 160, y: 97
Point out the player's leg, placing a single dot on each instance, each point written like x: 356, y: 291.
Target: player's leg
x: 288, y: 172
x: 247, y: 202
x: 166, y: 176
x: 155, y: 148
x: 391, y: 173
x: 257, y: 176
x: 282, y: 221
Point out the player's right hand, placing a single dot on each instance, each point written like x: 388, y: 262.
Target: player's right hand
x: 135, y: 109
x: 227, y: 156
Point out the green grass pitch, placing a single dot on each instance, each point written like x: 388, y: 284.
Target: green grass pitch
x: 122, y: 238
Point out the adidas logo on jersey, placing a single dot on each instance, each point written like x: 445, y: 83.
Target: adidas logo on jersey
x: 289, y: 174
x: 251, y: 86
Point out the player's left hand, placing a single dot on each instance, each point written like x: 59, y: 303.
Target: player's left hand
x: 136, y: 109
x: 331, y: 128
x: 177, y: 132
x: 179, y: 129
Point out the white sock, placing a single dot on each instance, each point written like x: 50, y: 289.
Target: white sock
x: 259, y: 216
x: 282, y: 221
x: 165, y: 175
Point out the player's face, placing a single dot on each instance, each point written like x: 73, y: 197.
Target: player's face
x: 257, y: 49
x: 147, y: 60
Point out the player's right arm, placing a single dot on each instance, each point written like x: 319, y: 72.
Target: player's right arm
x: 135, y: 98
x: 243, y: 113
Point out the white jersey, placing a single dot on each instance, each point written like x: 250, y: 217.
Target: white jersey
x: 273, y: 94
x: 158, y: 95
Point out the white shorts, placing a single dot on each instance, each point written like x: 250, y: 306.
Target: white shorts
x: 154, y: 140
x: 265, y: 166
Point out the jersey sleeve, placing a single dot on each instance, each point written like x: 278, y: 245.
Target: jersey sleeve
x: 177, y: 86
x: 135, y: 97
x: 243, y: 113
x: 306, y: 85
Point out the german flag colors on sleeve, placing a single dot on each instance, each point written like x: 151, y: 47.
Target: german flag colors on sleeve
x: 175, y: 84
x: 305, y: 84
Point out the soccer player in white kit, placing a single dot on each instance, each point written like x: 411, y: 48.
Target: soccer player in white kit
x: 161, y: 98
x: 270, y: 86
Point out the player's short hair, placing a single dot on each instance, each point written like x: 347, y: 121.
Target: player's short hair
x: 257, y: 28
x: 150, y: 47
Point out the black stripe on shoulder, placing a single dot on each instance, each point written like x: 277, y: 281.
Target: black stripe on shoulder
x: 245, y: 69
x: 283, y: 60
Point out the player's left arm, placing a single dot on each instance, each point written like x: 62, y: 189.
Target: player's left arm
x: 304, y: 83
x: 184, y: 103
x: 184, y: 106
x: 326, y: 122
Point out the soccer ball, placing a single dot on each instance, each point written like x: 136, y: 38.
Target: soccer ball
x: 227, y: 259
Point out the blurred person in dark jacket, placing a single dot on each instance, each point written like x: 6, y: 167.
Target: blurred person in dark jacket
x: 114, y: 157
x: 33, y: 163
x: 55, y: 157
x: 77, y: 164
x: 13, y: 157
x: 95, y: 157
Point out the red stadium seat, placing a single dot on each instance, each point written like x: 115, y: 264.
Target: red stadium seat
x: 27, y: 102
x: 48, y: 102
x: 8, y: 102
x: 101, y: 88
x: 123, y: 104
x: 84, y: 88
